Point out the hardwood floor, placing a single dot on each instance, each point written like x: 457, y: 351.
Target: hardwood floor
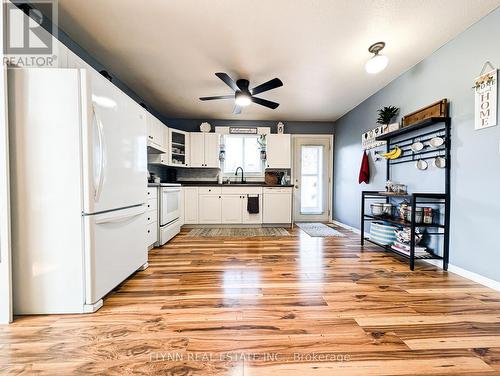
x: 270, y: 306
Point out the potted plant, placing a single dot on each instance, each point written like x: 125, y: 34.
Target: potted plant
x: 386, y: 114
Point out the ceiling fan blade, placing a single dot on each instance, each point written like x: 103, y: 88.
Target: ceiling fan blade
x: 228, y: 81
x: 237, y: 110
x: 269, y: 85
x: 265, y: 102
x: 217, y: 97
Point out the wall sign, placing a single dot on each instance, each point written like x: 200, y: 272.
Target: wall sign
x: 368, y: 138
x: 242, y: 130
x: 486, y: 97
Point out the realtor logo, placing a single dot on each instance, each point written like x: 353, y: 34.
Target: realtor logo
x: 28, y: 30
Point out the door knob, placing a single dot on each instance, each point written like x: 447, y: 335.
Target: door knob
x: 296, y: 187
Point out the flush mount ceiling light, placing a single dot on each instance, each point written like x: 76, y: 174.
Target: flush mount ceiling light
x: 242, y: 99
x: 377, y: 63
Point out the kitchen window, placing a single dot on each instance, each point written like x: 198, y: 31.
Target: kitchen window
x: 243, y: 151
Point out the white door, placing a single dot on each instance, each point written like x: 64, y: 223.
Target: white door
x: 312, y: 176
x: 209, y: 208
x: 190, y: 205
x: 231, y: 208
x: 197, y: 149
x: 278, y: 151
x: 211, y: 149
x: 116, y: 154
x: 116, y: 247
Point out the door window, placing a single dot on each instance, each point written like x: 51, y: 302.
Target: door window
x: 311, y: 194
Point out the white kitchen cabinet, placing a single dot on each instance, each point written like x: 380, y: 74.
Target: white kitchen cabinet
x: 251, y: 218
x: 190, y: 205
x: 152, y: 217
x: 278, y: 150
x: 159, y: 159
x: 178, y: 149
x: 197, y: 149
x: 157, y: 134
x: 232, y: 208
x: 204, y: 149
x: 277, y: 205
x: 209, y: 208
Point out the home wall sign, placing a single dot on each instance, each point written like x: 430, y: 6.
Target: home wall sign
x: 486, y: 97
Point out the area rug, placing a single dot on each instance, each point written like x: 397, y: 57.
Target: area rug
x: 238, y: 232
x: 319, y: 230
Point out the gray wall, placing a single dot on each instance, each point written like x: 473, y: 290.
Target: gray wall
x: 475, y: 176
x: 304, y: 127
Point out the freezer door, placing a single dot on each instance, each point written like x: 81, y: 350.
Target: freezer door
x: 115, y: 248
x: 115, y: 159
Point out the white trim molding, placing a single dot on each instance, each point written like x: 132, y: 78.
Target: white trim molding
x: 347, y: 227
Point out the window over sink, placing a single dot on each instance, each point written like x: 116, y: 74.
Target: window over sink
x: 243, y: 151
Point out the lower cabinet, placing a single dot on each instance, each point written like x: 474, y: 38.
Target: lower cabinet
x: 209, y: 208
x: 152, y: 216
x: 190, y: 205
x: 277, y: 205
x: 232, y: 208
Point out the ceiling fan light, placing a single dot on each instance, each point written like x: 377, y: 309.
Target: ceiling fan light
x: 376, y: 64
x: 242, y: 99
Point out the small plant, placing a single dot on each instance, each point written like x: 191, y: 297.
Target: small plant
x: 386, y: 114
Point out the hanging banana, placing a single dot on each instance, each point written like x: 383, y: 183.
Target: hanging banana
x: 393, y: 154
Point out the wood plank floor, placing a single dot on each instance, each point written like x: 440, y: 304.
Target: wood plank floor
x: 270, y: 306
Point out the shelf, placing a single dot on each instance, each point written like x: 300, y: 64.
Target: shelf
x: 178, y: 144
x: 411, y: 128
x: 377, y: 194
x: 428, y: 256
x: 181, y: 154
x: 400, y: 222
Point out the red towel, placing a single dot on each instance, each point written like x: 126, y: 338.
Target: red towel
x: 364, y: 171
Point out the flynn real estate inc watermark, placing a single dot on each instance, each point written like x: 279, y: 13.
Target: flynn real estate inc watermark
x: 29, y: 33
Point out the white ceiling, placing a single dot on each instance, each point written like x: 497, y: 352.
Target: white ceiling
x: 167, y: 51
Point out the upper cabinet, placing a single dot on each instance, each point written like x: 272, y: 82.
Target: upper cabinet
x: 178, y: 148
x: 204, y: 149
x: 157, y: 135
x: 278, y: 151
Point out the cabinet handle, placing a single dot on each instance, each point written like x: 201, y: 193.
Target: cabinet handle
x: 149, y: 218
x: 219, y: 197
x: 149, y: 231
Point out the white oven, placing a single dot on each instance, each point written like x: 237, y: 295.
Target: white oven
x: 170, y: 206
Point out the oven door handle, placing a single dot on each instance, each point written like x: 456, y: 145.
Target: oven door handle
x: 171, y: 190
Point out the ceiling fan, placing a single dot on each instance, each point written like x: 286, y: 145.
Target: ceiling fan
x: 243, y: 96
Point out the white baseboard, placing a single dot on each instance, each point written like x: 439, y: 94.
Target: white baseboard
x: 478, y: 278
x: 347, y: 227
x: 485, y: 281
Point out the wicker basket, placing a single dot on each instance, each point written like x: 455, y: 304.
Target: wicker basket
x: 271, y: 178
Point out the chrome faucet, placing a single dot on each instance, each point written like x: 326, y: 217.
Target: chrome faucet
x: 242, y: 174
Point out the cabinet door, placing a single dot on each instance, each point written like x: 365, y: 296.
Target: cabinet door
x: 278, y: 151
x: 231, y: 208
x: 190, y: 205
x: 209, y: 208
x: 212, y: 145
x: 251, y: 218
x: 277, y: 208
x: 197, y: 149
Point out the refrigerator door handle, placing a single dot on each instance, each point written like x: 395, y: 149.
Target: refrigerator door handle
x: 100, y: 180
x: 121, y: 218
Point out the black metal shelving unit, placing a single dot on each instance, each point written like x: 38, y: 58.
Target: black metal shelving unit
x: 414, y: 133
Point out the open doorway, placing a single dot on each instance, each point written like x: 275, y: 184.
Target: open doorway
x: 312, y: 177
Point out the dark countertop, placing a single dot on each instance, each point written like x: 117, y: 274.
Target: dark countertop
x: 215, y: 184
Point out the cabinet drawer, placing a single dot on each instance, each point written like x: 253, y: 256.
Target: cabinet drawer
x: 152, y: 192
x: 210, y: 190
x: 242, y: 190
x: 152, y: 204
x: 152, y: 233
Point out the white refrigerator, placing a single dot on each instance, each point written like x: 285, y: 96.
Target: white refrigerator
x: 78, y: 189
